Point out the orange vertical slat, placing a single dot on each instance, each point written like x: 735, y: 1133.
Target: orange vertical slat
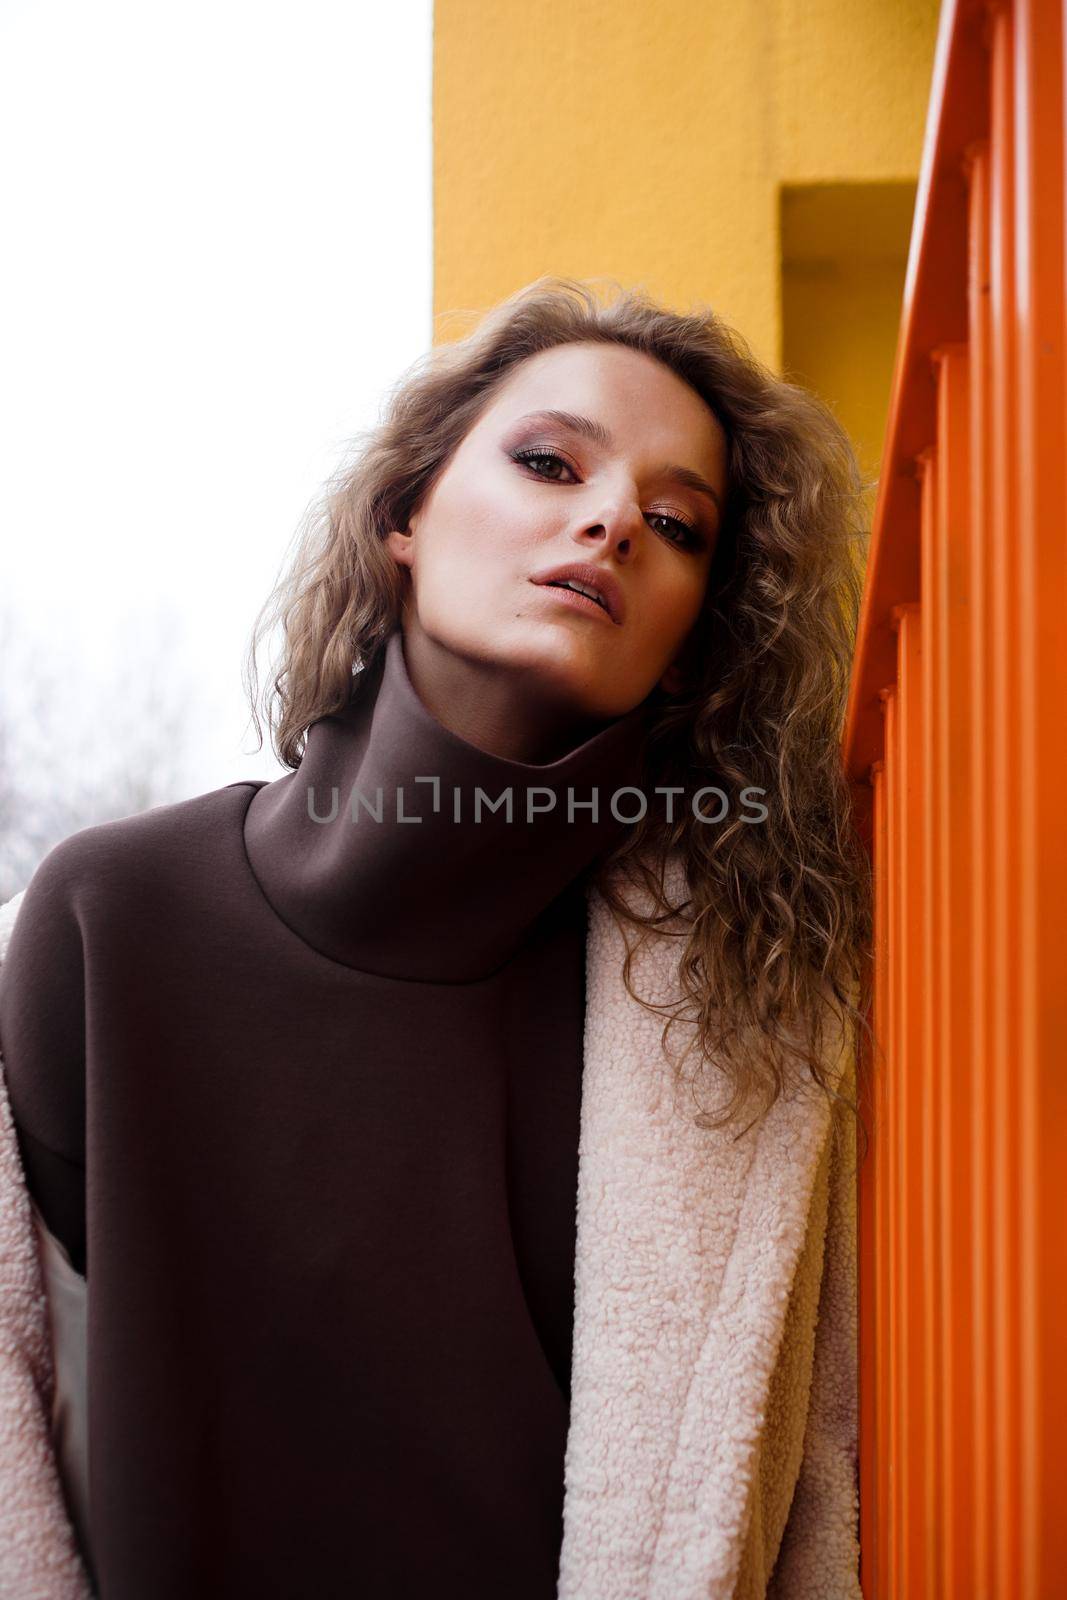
x: 890, y: 1147
x: 950, y: 973
x: 980, y: 906
x: 872, y: 1263
x: 1041, y: 533
x: 1003, y: 944
x: 907, y: 1084
x: 923, y: 1163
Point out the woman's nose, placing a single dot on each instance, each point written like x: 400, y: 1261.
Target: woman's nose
x: 615, y: 529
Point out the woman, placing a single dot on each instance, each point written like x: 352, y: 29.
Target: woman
x: 421, y: 1256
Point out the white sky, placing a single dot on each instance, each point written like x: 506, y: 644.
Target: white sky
x: 217, y: 260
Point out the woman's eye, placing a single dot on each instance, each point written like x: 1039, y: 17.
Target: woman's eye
x: 684, y: 533
x: 528, y: 457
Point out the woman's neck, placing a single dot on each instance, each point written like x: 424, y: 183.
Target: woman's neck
x: 401, y: 849
x: 505, y: 713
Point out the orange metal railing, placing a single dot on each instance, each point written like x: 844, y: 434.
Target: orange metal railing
x: 956, y: 742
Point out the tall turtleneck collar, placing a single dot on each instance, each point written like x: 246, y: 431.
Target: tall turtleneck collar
x: 390, y: 849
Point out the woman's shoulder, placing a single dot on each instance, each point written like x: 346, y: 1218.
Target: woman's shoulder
x: 100, y: 866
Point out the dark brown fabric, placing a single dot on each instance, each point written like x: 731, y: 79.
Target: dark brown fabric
x: 325, y: 1083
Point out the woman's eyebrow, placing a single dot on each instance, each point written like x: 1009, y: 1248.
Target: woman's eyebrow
x: 588, y: 428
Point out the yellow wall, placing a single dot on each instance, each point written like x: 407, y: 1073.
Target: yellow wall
x: 657, y: 143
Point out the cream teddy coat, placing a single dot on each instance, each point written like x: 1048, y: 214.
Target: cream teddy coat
x: 712, y: 1449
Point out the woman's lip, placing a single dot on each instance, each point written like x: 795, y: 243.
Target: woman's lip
x: 578, y: 602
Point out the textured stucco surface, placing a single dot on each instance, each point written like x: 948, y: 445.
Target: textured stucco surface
x: 651, y: 143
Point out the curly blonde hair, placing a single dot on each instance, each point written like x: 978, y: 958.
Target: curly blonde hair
x: 777, y: 916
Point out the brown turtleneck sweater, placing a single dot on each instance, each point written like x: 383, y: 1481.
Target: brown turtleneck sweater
x: 304, y: 1095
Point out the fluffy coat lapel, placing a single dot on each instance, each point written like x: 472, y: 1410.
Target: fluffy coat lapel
x: 715, y: 1292
x: 712, y: 1444
x: 39, y: 1557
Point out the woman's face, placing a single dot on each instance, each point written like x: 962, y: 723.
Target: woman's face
x: 525, y: 493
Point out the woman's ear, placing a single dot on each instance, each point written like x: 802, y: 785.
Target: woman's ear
x: 674, y: 679
x: 684, y: 671
x: 678, y: 676
x: 399, y: 544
